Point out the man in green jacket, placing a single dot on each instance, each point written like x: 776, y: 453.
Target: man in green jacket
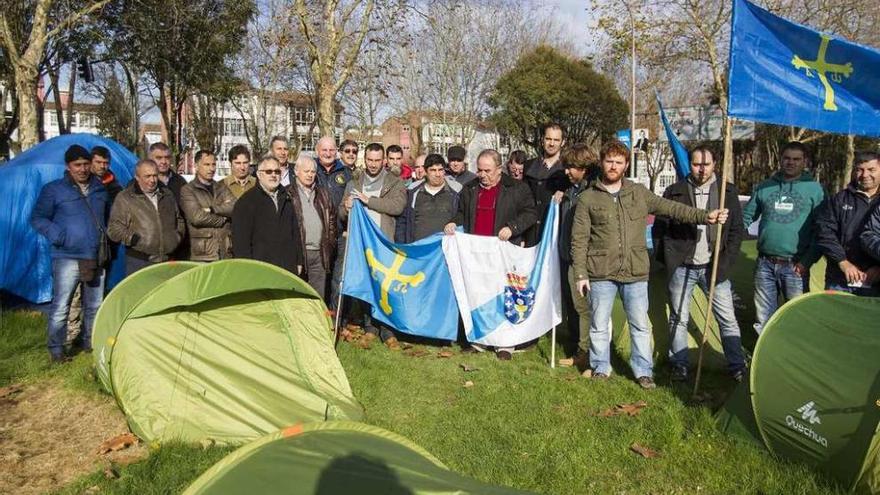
x: 610, y: 253
x: 786, y: 203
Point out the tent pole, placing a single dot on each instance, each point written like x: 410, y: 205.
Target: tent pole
x: 727, y: 163
x: 341, y: 282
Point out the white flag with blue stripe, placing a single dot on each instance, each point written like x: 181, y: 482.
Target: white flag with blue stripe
x: 507, y: 295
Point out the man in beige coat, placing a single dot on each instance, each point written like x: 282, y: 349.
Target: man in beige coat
x: 207, y: 207
x: 383, y: 194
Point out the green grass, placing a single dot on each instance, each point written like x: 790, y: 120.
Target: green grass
x: 521, y: 424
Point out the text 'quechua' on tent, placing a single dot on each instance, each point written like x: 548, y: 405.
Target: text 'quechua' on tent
x: 337, y: 457
x: 223, y: 352
x: 814, y: 389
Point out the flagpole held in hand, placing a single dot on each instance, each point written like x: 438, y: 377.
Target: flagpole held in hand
x: 347, y: 235
x: 726, y: 164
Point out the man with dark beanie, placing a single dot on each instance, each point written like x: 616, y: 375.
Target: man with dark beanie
x: 70, y: 213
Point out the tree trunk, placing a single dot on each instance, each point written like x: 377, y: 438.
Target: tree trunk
x: 26, y: 89
x: 71, y: 87
x: 326, y: 112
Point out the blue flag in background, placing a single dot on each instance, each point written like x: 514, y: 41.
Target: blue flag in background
x: 407, y: 285
x: 679, y: 152
x: 784, y: 73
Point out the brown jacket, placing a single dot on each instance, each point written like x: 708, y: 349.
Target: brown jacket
x: 137, y: 224
x: 390, y: 203
x: 236, y: 188
x: 327, y: 212
x: 209, y: 231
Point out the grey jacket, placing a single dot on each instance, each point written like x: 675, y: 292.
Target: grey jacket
x: 390, y: 202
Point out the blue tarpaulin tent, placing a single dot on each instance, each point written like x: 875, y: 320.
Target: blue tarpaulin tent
x: 25, y: 262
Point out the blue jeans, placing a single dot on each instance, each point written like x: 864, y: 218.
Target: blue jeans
x: 858, y: 291
x: 65, y: 275
x: 771, y: 279
x: 635, y: 304
x: 680, y: 288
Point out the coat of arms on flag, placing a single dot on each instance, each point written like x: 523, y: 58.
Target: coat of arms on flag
x: 519, y: 298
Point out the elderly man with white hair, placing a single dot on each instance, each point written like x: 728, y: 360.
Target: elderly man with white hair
x: 316, y: 215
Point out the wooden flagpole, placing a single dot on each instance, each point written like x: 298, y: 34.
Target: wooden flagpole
x: 727, y: 163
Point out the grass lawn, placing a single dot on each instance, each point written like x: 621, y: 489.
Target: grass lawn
x: 521, y: 424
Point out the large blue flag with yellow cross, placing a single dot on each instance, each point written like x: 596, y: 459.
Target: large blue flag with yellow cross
x: 788, y: 74
x: 407, y: 285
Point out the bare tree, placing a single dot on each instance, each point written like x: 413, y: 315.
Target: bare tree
x: 26, y: 49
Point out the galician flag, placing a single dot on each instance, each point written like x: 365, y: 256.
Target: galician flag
x: 506, y: 294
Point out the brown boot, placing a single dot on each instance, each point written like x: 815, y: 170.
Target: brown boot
x: 392, y: 343
x: 365, y: 340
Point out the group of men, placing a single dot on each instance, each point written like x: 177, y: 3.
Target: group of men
x: 295, y: 216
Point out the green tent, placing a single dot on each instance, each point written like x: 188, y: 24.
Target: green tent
x: 222, y: 352
x: 814, y: 389
x: 335, y: 458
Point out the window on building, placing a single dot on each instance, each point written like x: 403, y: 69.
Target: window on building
x: 86, y: 119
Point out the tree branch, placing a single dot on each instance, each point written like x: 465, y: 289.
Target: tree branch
x: 75, y: 17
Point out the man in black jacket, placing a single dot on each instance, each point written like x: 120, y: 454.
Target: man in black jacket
x: 494, y: 205
x: 841, y: 220
x: 687, y: 252
x: 429, y: 206
x: 546, y: 176
x: 264, y: 223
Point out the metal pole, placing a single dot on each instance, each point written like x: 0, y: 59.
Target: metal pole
x: 632, y: 121
x: 347, y: 235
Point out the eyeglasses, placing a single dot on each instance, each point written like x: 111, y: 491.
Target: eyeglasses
x: 271, y: 171
x: 350, y: 150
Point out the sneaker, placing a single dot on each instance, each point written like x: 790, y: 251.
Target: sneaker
x: 57, y: 360
x: 599, y: 376
x: 392, y: 344
x: 581, y: 360
x: 504, y: 355
x: 646, y: 382
x: 679, y: 374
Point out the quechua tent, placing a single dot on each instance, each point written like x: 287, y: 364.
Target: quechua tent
x: 222, y: 352
x: 335, y: 458
x: 813, y: 393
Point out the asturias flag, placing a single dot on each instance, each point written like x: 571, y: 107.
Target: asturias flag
x: 679, y: 152
x: 788, y: 74
x: 407, y: 285
x: 507, y: 294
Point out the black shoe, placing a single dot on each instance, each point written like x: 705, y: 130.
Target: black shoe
x: 581, y: 360
x: 679, y: 374
x: 56, y: 359
x: 468, y: 350
x: 504, y: 355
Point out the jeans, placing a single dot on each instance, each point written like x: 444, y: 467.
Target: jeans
x: 635, y: 304
x: 681, y: 287
x: 858, y: 291
x: 65, y: 278
x: 771, y: 279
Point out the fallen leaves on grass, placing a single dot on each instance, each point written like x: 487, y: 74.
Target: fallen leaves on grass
x: 644, y: 451
x: 11, y: 390
x: 468, y: 368
x: 624, y: 409
x: 445, y: 354
x: 468, y: 384
x: 117, y: 443
x: 416, y: 353
x: 566, y: 362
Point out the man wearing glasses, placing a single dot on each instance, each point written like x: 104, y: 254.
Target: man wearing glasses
x: 349, y: 154
x: 264, y: 224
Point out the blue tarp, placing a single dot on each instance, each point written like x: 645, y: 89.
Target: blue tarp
x: 25, y: 263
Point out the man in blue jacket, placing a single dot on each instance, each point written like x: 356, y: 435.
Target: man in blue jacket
x: 70, y: 212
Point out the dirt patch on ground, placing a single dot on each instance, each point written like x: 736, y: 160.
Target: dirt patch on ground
x: 50, y: 436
